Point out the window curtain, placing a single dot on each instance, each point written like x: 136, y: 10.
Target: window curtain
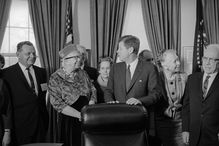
x: 49, y: 25
x: 49, y: 20
x: 211, y: 20
x: 4, y: 14
x: 75, y: 27
x: 162, y: 20
x: 107, y: 18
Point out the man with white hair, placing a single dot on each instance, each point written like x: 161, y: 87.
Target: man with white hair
x: 200, y: 112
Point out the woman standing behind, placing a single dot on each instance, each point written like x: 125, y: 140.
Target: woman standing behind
x: 102, y: 80
x: 168, y: 110
x: 70, y: 89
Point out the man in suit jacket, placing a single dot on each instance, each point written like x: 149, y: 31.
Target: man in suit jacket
x: 5, y: 117
x: 143, y: 88
x: 92, y: 72
x: 200, y: 105
x: 27, y: 90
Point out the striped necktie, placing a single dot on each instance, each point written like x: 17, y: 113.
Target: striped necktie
x: 32, y: 86
x: 205, y: 86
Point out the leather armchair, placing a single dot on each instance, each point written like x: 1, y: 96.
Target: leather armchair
x: 114, y: 125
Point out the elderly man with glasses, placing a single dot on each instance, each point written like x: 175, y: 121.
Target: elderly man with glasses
x: 200, y: 123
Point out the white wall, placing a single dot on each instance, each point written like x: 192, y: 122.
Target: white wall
x: 84, y: 23
x: 188, y: 19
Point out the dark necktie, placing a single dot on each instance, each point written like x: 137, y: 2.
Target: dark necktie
x: 128, y: 77
x: 205, y: 85
x: 32, y: 86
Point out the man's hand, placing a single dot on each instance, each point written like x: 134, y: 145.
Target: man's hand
x: 91, y: 102
x: 185, y: 136
x: 110, y: 102
x: 6, y: 139
x: 218, y: 136
x: 133, y: 101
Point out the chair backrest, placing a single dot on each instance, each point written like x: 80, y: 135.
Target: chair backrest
x: 114, y: 125
x: 43, y: 144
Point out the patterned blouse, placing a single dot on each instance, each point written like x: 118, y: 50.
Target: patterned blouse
x: 64, y: 90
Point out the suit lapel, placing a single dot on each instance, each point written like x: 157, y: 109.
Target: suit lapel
x: 123, y: 76
x: 136, y: 74
x: 213, y: 87
x: 21, y: 75
x: 163, y: 85
x: 37, y: 78
x: 200, y: 91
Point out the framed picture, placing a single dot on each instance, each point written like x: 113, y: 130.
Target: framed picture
x: 186, y: 59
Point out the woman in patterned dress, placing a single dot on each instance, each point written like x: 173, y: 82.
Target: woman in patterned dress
x: 70, y: 89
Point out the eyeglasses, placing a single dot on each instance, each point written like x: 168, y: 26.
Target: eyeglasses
x: 150, y: 59
x: 75, y: 57
x: 29, y: 54
x: 211, y: 60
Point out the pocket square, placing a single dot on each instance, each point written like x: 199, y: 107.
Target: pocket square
x: 140, y: 80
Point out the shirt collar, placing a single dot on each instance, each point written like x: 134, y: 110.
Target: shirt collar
x: 23, y: 68
x: 211, y: 75
x: 133, y: 63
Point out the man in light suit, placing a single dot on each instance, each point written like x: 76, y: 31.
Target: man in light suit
x: 200, y: 111
x: 143, y: 88
x: 27, y: 86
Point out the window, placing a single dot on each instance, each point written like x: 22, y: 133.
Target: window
x: 19, y: 28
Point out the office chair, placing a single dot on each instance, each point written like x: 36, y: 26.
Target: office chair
x: 114, y: 125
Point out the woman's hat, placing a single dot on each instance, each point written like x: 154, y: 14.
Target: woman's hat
x: 67, y: 50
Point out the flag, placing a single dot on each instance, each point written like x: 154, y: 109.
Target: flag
x: 200, y: 40
x: 68, y: 26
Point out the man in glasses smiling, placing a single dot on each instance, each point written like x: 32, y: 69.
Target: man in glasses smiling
x: 200, y: 104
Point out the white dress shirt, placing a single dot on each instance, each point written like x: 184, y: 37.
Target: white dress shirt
x: 24, y: 70
x: 133, y: 66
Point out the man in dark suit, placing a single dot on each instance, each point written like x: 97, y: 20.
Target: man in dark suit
x: 5, y: 115
x: 132, y: 81
x: 27, y: 86
x: 143, y: 88
x: 146, y: 55
x: 200, y: 112
x: 92, y: 72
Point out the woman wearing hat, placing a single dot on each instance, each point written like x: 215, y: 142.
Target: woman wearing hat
x: 70, y: 89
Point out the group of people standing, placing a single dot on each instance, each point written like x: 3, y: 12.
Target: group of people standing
x: 182, y: 110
